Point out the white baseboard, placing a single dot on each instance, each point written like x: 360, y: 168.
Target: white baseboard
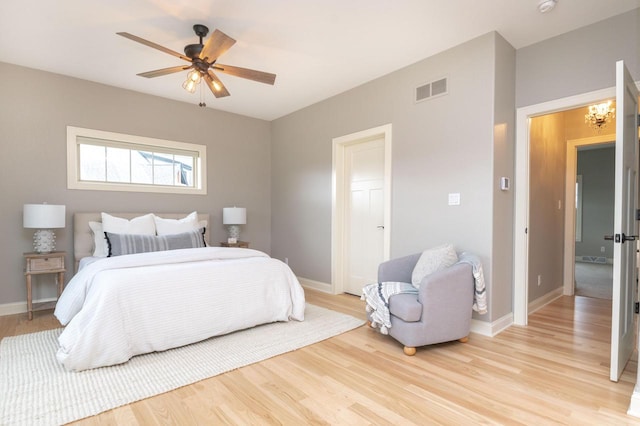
x: 544, y: 300
x: 19, y: 307
x: 491, y: 329
x: 634, y: 406
x: 501, y: 324
x: 316, y: 285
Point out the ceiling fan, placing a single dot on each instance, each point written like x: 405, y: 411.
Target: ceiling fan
x: 203, y: 60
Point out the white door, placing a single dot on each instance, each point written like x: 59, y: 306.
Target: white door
x: 365, y: 213
x: 625, y: 225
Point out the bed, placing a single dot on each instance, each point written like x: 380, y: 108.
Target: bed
x: 117, y: 307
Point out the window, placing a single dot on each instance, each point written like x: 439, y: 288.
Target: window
x: 110, y: 161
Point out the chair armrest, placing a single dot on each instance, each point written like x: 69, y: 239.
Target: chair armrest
x: 447, y: 293
x: 399, y: 269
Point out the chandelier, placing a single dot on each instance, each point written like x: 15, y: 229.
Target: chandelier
x: 599, y: 115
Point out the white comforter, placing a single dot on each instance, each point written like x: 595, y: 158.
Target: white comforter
x: 123, y: 306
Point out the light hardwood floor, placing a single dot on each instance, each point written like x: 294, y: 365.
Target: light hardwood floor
x: 554, y: 371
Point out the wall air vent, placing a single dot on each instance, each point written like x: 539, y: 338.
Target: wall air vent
x: 431, y: 90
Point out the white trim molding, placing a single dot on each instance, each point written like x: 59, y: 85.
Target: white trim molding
x: 544, y: 300
x: 20, y: 307
x: 315, y: 285
x: 491, y: 329
x: 634, y: 406
x: 338, y: 230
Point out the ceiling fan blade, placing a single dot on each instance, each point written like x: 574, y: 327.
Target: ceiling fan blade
x: 154, y: 45
x: 215, y: 85
x: 165, y: 71
x: 217, y: 44
x: 259, y: 76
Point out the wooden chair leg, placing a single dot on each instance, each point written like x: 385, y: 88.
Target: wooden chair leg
x: 409, y: 351
x: 465, y: 339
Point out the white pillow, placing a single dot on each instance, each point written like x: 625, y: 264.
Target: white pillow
x: 176, y: 226
x: 433, y: 260
x: 100, y: 248
x: 141, y: 225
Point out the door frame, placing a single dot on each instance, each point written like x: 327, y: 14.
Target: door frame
x: 521, y: 219
x: 570, y: 196
x: 339, y: 230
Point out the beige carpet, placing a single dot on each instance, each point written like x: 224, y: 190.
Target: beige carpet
x: 36, y: 390
x: 594, y: 280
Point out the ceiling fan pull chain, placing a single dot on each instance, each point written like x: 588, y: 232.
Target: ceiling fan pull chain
x: 202, y: 104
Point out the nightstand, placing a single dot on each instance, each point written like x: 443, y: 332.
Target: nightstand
x: 241, y: 244
x: 37, y: 264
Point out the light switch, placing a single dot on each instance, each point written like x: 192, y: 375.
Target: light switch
x: 454, y: 199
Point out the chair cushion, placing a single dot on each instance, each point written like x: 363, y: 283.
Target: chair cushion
x: 433, y: 260
x: 406, y: 307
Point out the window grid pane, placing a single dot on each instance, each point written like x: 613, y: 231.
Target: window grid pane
x: 92, y: 163
x: 104, y: 163
x: 101, y: 160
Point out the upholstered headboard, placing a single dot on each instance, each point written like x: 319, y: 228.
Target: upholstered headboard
x: 83, y: 238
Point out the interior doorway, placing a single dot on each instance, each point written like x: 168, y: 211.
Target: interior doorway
x: 625, y: 210
x: 361, y: 225
x: 574, y: 249
x: 524, y: 117
x: 594, y: 195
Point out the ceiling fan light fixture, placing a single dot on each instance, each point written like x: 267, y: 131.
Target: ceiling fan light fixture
x: 189, y: 85
x: 194, y: 75
x: 202, y: 58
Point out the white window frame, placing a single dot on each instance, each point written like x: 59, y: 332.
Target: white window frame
x: 120, y: 140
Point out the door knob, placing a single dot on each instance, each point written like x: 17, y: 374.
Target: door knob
x: 380, y: 226
x: 621, y: 239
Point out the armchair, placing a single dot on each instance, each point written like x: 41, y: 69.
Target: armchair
x: 441, y: 311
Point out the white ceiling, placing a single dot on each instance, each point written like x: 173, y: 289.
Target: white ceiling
x: 317, y: 48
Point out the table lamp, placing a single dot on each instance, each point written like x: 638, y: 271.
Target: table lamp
x: 44, y: 218
x: 234, y: 217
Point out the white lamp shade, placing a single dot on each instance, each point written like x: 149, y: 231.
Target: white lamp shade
x: 43, y: 216
x: 234, y: 216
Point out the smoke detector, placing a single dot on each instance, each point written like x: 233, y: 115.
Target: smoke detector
x: 545, y: 6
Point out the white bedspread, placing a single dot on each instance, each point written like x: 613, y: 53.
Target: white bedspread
x: 123, y: 306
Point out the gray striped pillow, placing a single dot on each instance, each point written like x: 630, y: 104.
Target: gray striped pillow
x: 120, y: 244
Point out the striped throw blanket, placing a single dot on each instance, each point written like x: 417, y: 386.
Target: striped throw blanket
x: 480, y: 293
x: 377, y: 297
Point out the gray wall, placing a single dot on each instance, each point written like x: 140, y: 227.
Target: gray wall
x: 440, y: 146
x: 503, y: 166
x: 33, y: 119
x: 579, y: 61
x: 598, y: 188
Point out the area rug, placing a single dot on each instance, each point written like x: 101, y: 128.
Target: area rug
x: 36, y: 390
x: 594, y: 280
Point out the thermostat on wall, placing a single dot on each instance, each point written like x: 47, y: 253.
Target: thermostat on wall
x: 505, y: 183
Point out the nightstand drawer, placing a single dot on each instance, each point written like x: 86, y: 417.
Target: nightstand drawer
x: 45, y: 264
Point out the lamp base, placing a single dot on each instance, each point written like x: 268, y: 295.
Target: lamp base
x: 44, y: 241
x: 234, y: 231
